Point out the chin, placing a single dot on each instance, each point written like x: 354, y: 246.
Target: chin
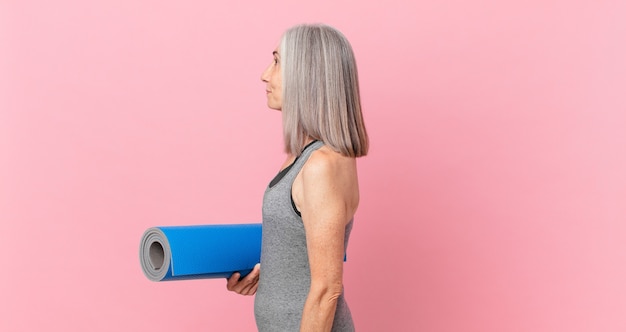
x: 274, y: 107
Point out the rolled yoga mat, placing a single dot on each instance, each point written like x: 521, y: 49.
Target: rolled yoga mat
x: 199, y: 252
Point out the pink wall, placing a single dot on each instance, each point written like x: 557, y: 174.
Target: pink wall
x: 494, y: 198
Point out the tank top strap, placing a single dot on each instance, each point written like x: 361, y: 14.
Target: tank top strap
x: 306, y: 153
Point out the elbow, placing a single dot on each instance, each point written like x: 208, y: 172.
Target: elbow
x: 327, y: 293
x: 333, y: 297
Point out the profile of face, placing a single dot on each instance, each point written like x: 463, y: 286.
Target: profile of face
x: 273, y: 83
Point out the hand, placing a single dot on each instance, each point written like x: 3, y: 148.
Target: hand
x: 247, y: 285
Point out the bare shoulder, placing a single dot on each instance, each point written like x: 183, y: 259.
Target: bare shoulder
x: 327, y: 163
x: 331, y: 178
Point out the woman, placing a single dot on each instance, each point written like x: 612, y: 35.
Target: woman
x: 309, y: 206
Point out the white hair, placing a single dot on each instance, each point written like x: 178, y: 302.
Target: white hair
x: 321, y: 91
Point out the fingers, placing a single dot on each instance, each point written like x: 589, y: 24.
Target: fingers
x: 256, y: 271
x: 254, y: 288
x: 232, y: 281
x: 250, y: 289
x: 250, y: 282
x: 246, y: 286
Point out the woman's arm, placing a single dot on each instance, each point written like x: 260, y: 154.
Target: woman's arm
x: 326, y: 195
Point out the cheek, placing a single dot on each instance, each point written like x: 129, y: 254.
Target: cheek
x: 278, y: 94
x: 276, y: 79
x: 278, y: 100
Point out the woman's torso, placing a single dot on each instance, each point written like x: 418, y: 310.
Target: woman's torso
x: 285, y: 273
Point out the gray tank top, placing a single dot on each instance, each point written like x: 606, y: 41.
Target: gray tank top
x: 285, y: 274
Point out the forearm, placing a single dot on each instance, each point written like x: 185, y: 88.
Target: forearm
x: 319, y: 311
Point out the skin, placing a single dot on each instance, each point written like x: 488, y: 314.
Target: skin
x: 327, y: 195
x: 273, y: 83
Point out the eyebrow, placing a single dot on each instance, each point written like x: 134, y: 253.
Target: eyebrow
x: 275, y: 53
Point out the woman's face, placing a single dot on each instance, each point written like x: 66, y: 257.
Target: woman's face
x: 271, y: 77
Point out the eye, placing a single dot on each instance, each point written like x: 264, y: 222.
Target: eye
x: 275, y: 61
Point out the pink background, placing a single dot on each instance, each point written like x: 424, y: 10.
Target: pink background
x: 494, y: 198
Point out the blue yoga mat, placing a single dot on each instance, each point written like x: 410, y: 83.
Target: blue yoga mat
x: 199, y: 252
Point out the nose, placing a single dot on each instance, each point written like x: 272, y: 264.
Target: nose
x: 265, y: 76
